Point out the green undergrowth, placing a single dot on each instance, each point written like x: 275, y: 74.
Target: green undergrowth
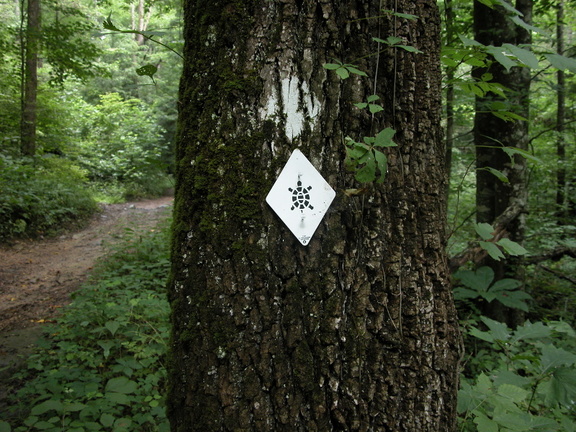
x: 521, y: 380
x: 101, y: 366
x: 40, y: 196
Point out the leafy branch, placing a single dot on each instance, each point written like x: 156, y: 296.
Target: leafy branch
x: 149, y: 69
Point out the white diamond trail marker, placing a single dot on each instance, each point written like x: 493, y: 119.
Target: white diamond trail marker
x: 300, y: 197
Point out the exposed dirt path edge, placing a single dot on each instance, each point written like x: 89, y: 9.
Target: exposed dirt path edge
x: 37, y: 277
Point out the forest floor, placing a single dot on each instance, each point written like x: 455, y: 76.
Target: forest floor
x: 38, y: 276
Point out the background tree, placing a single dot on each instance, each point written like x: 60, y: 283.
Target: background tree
x: 30, y: 50
x: 494, y: 26
x: 357, y: 330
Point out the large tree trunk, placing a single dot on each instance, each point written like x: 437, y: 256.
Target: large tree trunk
x: 357, y: 330
x: 492, y: 26
x: 30, y: 80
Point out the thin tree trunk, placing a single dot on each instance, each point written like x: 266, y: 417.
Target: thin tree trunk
x: 30, y: 84
x: 492, y: 26
x: 561, y: 204
x: 139, y: 20
x: 357, y: 330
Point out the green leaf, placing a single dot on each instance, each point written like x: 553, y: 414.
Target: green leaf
x: 532, y: 331
x: 106, y: 345
x: 511, y: 151
x: 384, y: 138
x: 508, y: 7
x: 122, y: 423
x: 485, y: 424
x: 107, y: 420
x: 508, y: 116
x: 400, y: 14
x: 46, y: 406
x: 366, y: 173
x: 492, y: 250
x: 497, y: 173
x: 361, y: 105
x: 506, y: 284
x: 392, y: 40
x: 514, y: 299
x: 465, y: 293
x: 484, y: 230
x: 509, y: 377
x: 382, y: 164
x: 484, y: 384
x: 373, y: 98
x: 147, y: 70
x: 373, y: 108
x: 112, y: 326
x: 342, y: 73
x: 562, y: 327
x: 563, y: 386
x: 553, y: 357
x: 518, y: 421
x: 511, y: 247
x: 409, y: 48
x: 520, y: 22
x: 354, y: 70
x: 512, y: 392
x: 74, y: 407
x: 499, y: 331
x: 108, y: 25
x: 121, y: 385
x: 331, y: 66
x: 5, y: 427
x: 561, y: 62
x: 469, y: 42
x: 501, y: 57
x: 485, y: 336
x: 525, y: 56
x: 478, y: 280
x: 117, y: 398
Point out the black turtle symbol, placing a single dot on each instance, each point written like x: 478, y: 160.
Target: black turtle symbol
x: 300, y: 197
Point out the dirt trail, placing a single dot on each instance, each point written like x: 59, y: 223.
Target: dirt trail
x: 37, y: 277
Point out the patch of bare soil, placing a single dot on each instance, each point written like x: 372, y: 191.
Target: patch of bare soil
x: 38, y: 276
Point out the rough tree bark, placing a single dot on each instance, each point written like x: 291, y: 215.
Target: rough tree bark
x: 492, y: 26
x: 356, y: 331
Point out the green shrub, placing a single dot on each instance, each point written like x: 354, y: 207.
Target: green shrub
x: 41, y: 195
x: 523, y: 380
x: 120, y: 141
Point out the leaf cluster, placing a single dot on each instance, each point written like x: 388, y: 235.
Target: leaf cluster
x: 366, y: 158
x: 496, y: 247
x: 528, y: 379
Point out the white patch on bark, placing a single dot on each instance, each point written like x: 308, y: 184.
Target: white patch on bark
x: 297, y: 105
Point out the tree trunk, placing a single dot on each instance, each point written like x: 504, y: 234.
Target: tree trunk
x: 450, y: 99
x: 492, y: 26
x: 357, y: 330
x: 30, y: 83
x: 561, y: 202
